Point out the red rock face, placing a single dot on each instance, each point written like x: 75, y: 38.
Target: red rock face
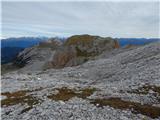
x: 79, y: 49
x: 61, y: 58
x: 116, y: 44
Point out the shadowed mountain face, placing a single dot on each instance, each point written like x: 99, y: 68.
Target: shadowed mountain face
x: 8, y: 54
x: 11, y: 47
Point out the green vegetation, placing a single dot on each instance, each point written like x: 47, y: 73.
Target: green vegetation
x: 66, y: 94
x: 117, y: 103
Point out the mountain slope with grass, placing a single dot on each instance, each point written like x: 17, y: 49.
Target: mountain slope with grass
x: 123, y: 84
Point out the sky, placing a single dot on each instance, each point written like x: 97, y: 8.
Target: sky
x: 105, y: 18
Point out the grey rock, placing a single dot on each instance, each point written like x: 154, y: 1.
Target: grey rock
x: 112, y: 76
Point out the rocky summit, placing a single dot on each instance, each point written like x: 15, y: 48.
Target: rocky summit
x: 84, y: 78
x: 76, y: 50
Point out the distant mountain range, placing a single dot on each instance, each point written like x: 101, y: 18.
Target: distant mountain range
x: 136, y: 41
x: 22, y: 42
x: 10, y: 47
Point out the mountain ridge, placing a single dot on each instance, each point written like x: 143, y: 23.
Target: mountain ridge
x: 61, y: 54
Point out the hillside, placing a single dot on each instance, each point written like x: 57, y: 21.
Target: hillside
x: 121, y: 84
x: 8, y: 54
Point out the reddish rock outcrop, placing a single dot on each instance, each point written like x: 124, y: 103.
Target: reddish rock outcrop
x: 63, y: 56
x: 116, y: 44
x: 80, y: 48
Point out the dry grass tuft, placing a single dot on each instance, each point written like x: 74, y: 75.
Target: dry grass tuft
x: 117, y: 103
x: 19, y: 97
x: 66, y: 94
x: 77, y: 39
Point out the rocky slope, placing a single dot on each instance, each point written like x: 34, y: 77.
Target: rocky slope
x: 53, y: 54
x: 120, y: 85
x: 34, y: 58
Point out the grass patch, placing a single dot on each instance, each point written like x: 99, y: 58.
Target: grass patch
x: 19, y: 97
x: 84, y: 93
x: 66, y: 94
x: 117, y: 103
x: 77, y: 39
x: 49, y: 44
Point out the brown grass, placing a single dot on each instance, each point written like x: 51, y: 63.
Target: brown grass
x: 66, y: 94
x: 19, y: 97
x: 83, y: 39
x: 84, y: 93
x: 117, y: 103
x: 52, y: 44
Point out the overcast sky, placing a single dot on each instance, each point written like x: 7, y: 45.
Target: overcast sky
x: 114, y: 19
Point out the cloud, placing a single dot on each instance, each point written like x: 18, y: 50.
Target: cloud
x: 115, y: 19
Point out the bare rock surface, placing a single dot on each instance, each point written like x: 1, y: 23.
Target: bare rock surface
x: 76, y: 50
x: 121, y: 85
x: 37, y: 57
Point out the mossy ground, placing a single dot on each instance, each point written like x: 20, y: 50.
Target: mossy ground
x: 117, y: 103
x: 66, y: 94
